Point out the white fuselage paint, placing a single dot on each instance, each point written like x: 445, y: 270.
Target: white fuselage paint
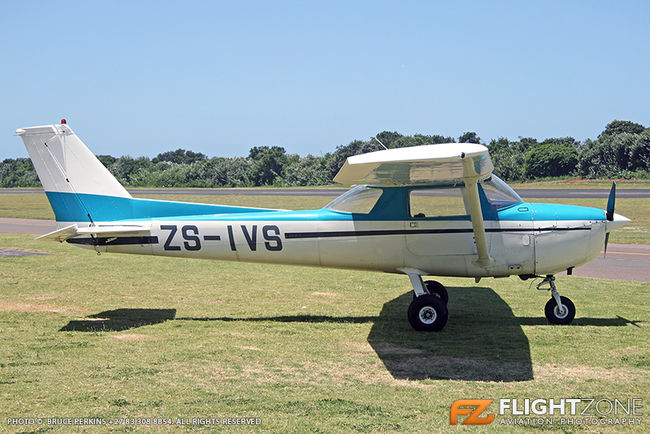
x: 516, y: 247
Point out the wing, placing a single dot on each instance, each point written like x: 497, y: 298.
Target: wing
x: 429, y: 164
x: 448, y: 163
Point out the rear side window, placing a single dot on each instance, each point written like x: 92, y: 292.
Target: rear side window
x: 437, y: 202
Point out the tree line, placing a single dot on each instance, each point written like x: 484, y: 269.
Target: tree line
x: 622, y: 150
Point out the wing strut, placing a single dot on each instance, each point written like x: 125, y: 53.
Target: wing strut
x: 471, y: 183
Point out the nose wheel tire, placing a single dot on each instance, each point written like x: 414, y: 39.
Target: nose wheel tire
x: 560, y: 314
x: 427, y: 313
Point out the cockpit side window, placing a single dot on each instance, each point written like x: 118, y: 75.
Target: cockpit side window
x: 437, y: 202
x: 359, y: 200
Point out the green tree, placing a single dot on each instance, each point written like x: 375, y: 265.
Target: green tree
x: 550, y: 159
x: 179, y: 156
x: 640, y: 152
x: 335, y: 161
x: 18, y: 172
x: 309, y: 170
x: 130, y: 171
x: 615, y: 156
x: 564, y: 141
x: 420, y: 139
x: 388, y: 137
x: 507, y: 158
x: 498, y: 145
x: 268, y: 164
x: 469, y: 137
x: 617, y: 127
x: 106, y: 160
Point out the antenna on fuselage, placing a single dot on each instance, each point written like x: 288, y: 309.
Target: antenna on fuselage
x: 380, y: 143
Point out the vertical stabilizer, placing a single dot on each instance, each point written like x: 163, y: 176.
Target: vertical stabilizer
x: 69, y: 171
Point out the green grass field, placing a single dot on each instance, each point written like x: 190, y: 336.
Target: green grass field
x: 304, y: 349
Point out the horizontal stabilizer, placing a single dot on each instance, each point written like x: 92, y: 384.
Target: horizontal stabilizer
x: 60, y: 234
x: 101, y: 230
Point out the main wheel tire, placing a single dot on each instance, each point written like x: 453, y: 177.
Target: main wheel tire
x: 556, y: 316
x: 437, y: 289
x: 427, y: 313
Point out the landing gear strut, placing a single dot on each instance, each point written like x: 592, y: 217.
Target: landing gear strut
x: 428, y: 310
x: 436, y: 288
x: 559, y: 309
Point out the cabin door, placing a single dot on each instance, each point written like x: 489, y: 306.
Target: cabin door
x: 438, y: 223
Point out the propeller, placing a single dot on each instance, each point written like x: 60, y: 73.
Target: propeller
x: 611, y: 203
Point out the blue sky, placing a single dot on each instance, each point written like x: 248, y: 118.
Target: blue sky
x: 138, y: 77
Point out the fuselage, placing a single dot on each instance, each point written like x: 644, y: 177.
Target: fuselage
x: 523, y: 238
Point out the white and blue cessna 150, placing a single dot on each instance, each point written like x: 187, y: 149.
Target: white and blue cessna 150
x: 427, y: 210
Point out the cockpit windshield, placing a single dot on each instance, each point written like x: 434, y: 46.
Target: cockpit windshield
x: 499, y: 194
x: 360, y: 200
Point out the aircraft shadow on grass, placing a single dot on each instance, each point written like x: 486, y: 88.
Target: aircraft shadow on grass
x: 119, y: 319
x: 483, y: 340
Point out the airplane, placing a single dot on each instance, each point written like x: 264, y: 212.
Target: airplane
x: 431, y: 210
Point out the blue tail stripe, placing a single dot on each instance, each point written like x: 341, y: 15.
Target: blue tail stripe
x: 70, y: 207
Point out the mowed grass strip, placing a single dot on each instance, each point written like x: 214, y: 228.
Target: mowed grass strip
x: 25, y: 205
x: 304, y: 349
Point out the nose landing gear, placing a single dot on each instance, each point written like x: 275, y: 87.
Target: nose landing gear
x: 559, y: 309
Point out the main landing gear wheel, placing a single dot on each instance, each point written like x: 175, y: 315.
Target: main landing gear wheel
x: 428, y: 313
x: 563, y: 314
x: 437, y: 289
